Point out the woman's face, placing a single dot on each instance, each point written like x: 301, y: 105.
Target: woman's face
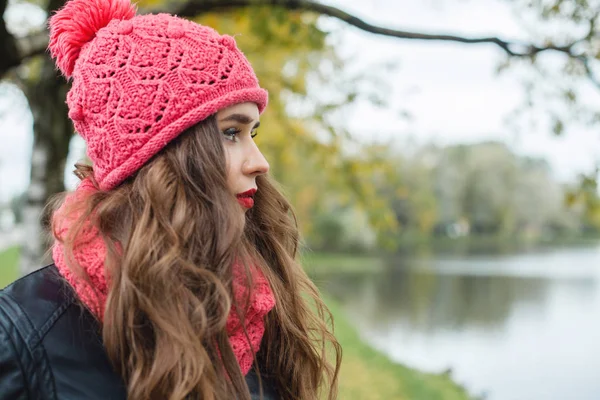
x: 245, y: 162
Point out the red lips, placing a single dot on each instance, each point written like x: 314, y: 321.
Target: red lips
x: 246, y: 199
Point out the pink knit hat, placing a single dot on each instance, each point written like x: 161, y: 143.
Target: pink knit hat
x: 140, y: 80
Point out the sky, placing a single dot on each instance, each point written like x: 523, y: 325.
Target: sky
x: 451, y: 91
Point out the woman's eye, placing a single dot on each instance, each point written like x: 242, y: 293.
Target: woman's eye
x: 254, y: 134
x: 231, y: 133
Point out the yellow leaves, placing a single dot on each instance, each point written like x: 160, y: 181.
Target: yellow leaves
x: 149, y: 4
x: 571, y: 198
x: 212, y: 20
x: 402, y: 192
x: 426, y: 221
x: 305, y: 199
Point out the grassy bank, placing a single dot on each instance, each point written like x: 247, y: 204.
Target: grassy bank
x: 366, y: 374
x: 324, y: 263
x: 8, y: 266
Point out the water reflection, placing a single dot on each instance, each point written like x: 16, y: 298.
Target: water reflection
x: 429, y: 302
x: 532, y: 335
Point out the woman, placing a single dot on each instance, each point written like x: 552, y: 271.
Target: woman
x: 174, y: 272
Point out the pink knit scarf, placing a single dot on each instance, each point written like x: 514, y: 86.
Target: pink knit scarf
x: 90, y: 253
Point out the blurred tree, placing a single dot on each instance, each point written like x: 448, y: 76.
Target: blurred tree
x: 482, y: 189
x: 499, y: 192
x: 282, y: 24
x: 562, y: 85
x: 414, y: 200
x: 16, y: 206
x: 46, y: 92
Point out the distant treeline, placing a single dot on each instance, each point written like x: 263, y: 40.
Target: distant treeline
x: 476, y: 196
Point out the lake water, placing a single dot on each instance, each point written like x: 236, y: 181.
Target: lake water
x: 520, y: 327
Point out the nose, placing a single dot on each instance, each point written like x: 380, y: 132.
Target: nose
x: 256, y: 163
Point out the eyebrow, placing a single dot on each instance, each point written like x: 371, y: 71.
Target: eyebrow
x: 240, y: 118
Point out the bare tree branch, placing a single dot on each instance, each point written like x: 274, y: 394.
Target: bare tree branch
x: 36, y: 44
x: 588, y: 71
x: 193, y: 8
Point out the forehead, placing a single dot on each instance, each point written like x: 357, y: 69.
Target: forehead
x: 250, y: 109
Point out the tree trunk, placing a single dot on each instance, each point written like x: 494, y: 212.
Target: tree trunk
x: 52, y: 132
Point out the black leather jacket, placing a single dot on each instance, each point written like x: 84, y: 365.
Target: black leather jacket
x: 51, y: 347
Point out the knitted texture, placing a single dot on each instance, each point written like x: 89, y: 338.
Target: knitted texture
x: 140, y: 81
x: 261, y: 302
x: 90, y: 253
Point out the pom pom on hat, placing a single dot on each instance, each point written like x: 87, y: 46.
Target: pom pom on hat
x: 77, y: 23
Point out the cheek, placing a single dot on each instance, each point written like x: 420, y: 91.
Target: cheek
x: 233, y: 170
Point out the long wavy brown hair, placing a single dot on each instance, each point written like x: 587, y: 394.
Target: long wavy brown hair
x: 173, y: 232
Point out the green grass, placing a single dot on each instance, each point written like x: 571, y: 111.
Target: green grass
x: 9, y: 266
x: 367, y: 374
x: 323, y: 263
